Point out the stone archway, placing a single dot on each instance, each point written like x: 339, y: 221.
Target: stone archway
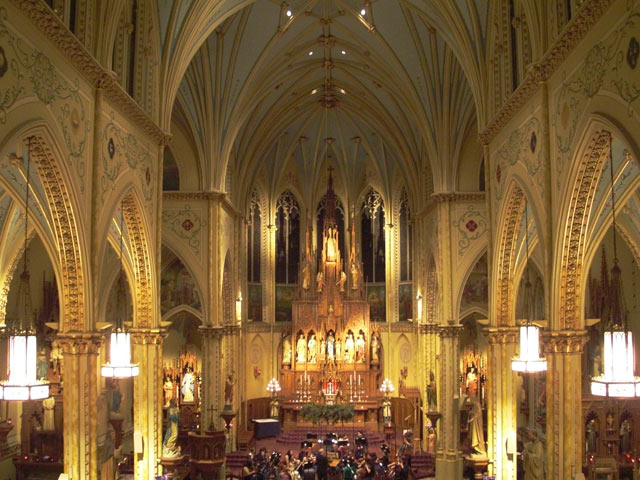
x: 65, y: 232
x: 513, y: 209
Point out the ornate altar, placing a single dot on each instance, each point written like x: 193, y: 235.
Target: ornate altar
x: 332, y: 355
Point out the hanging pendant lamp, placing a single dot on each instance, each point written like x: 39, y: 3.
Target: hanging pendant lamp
x: 119, y: 365
x: 22, y: 383
x: 618, y: 378
x: 529, y: 360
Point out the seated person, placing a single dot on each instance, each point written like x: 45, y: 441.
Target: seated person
x: 248, y: 472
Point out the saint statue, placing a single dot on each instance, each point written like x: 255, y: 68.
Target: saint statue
x: 228, y: 390
x: 331, y: 347
x: 338, y: 350
x: 533, y: 457
x: 591, y: 433
x: 360, y: 357
x: 625, y: 436
x: 375, y: 349
x: 472, y: 381
x: 349, y: 349
x: 116, y: 401
x: 167, y: 388
x: 188, y: 384
x: 170, y: 449
x: 355, y: 276
x: 286, y: 350
x: 431, y: 439
x: 49, y: 422
x: 341, y: 281
x: 320, y: 281
x: 312, y: 349
x: 306, y: 275
x: 301, y: 349
x: 432, y: 397
x: 475, y: 427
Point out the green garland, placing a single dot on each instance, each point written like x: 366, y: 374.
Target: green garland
x: 330, y: 414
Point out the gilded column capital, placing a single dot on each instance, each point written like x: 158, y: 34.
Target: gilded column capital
x: 428, y: 328
x: 449, y: 331
x: 564, y: 341
x: 148, y: 336
x: 501, y: 335
x: 209, y: 331
x: 86, y: 343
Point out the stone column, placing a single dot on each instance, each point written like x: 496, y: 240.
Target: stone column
x: 211, y: 385
x: 565, y: 437
x: 81, y: 374
x: 448, y: 457
x: 501, y: 398
x: 147, y: 398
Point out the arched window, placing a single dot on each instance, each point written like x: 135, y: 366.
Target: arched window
x: 254, y: 233
x: 287, y: 238
x: 405, y: 287
x: 339, y: 214
x: 373, y: 238
x: 373, y: 254
x: 406, y: 234
x: 253, y: 240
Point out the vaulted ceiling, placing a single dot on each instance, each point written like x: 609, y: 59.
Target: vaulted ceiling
x: 401, y: 80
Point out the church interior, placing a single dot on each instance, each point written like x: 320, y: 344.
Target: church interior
x: 401, y: 236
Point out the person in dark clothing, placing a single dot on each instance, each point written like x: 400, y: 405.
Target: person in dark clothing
x: 322, y: 465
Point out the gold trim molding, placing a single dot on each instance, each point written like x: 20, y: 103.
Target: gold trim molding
x: 79, y: 343
x: 577, y: 220
x: 501, y: 335
x: 506, y: 256
x: 564, y: 341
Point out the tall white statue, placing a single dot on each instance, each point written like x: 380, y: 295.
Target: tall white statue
x: 349, y: 349
x: 188, y: 386
x: 312, y: 350
x: 49, y: 422
x: 360, y: 356
x: 533, y: 457
x: 301, y: 349
x: 286, y: 351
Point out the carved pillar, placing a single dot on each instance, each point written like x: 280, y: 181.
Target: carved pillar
x: 230, y: 355
x: 147, y: 398
x: 448, y: 459
x: 390, y: 272
x: 429, y: 358
x: 269, y: 277
x: 80, y: 396
x: 211, y: 385
x: 565, y: 437
x: 501, y: 398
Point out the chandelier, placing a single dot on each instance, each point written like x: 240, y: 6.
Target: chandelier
x: 529, y: 360
x: 119, y: 365
x: 387, y: 387
x: 618, y: 378
x: 22, y: 383
x: 273, y: 387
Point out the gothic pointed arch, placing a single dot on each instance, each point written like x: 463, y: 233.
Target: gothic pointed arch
x: 143, y: 268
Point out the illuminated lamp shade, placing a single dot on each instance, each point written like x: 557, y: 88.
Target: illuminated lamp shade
x: 618, y: 379
x: 22, y: 383
x: 120, y: 365
x: 529, y: 359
